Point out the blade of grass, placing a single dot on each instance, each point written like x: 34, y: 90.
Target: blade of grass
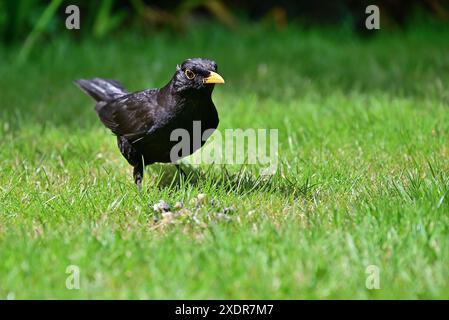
x: 34, y: 35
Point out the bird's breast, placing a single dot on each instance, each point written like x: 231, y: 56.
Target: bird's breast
x: 188, y: 122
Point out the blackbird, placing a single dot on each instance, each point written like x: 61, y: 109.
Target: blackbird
x: 144, y: 120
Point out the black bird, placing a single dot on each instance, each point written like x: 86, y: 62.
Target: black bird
x: 144, y: 120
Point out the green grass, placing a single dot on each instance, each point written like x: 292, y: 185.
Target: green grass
x: 363, y: 177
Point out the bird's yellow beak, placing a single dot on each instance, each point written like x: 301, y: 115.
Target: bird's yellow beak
x: 213, y: 78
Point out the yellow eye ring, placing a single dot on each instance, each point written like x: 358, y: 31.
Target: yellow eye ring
x: 189, y: 74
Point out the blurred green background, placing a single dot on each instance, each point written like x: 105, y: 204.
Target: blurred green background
x: 31, y: 22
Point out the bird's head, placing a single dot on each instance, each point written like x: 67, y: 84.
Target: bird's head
x: 196, y: 75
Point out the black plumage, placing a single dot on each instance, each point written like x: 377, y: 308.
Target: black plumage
x: 143, y: 121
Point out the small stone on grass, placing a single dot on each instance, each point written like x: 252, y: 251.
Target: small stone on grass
x: 161, y: 206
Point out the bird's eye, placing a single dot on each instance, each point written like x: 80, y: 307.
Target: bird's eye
x: 189, y: 74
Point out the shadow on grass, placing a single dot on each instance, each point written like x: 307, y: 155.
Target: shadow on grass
x: 243, y: 182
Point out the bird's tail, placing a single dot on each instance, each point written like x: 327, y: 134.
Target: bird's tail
x: 101, y: 89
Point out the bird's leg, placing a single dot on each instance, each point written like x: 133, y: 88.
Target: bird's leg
x: 181, y: 172
x: 138, y: 174
x: 133, y: 157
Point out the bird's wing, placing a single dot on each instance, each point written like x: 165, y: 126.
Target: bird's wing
x: 132, y: 115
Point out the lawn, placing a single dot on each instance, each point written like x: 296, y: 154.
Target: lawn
x: 362, y: 179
